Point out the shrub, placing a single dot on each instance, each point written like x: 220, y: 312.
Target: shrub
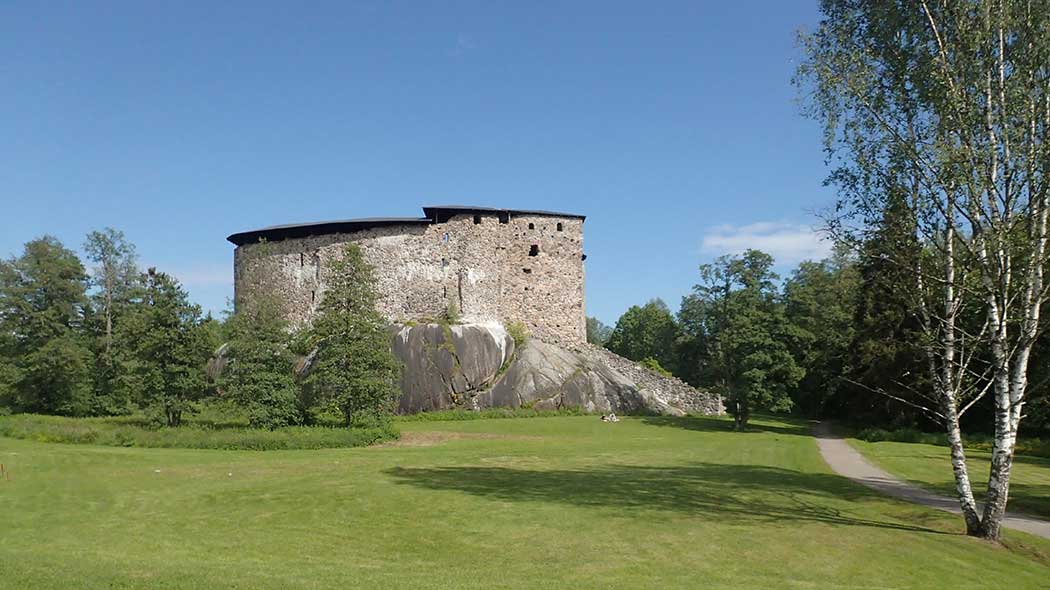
x: 133, y: 432
x: 518, y: 332
x: 654, y: 366
x: 1035, y: 447
x: 452, y: 315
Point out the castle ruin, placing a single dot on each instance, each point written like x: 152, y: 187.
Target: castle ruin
x: 492, y: 265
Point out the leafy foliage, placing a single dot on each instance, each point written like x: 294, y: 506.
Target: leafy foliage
x: 114, y: 278
x: 353, y: 367
x: 167, y: 348
x: 259, y: 364
x: 748, y: 337
x: 518, y: 332
x: 820, y: 300
x: 119, y: 432
x: 597, y: 332
x: 654, y: 365
x: 644, y: 332
x: 46, y: 361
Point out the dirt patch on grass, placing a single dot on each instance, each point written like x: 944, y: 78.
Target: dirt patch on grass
x: 429, y: 439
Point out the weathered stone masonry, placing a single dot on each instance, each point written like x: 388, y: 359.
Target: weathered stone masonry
x: 494, y: 265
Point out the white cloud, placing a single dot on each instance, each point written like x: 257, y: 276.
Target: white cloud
x: 788, y: 243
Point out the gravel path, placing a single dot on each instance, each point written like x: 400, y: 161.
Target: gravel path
x: 848, y: 462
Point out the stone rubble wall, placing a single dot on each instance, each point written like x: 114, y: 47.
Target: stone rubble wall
x: 670, y: 390
x: 484, y: 269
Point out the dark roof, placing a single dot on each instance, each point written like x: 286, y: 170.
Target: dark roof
x: 302, y: 230
x: 436, y: 210
x: 433, y: 215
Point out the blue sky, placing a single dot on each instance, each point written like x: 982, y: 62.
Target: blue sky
x: 671, y: 125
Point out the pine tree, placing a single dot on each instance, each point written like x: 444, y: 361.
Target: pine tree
x: 353, y: 367
x: 162, y: 368
x: 46, y: 362
x: 259, y: 368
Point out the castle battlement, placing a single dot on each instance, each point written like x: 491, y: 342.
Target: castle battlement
x: 494, y: 265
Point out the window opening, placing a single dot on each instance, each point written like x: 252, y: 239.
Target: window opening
x: 477, y: 220
x: 534, y: 250
x: 559, y: 227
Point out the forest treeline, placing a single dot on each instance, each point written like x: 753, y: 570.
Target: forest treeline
x: 110, y: 338
x: 835, y: 338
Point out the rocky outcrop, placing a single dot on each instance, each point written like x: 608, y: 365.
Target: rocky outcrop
x: 477, y: 366
x: 446, y: 366
x: 548, y: 377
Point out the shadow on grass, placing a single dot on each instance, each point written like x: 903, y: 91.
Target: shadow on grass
x: 738, y: 493
x: 711, y: 424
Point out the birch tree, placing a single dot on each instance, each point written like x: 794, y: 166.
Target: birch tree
x: 944, y: 108
x: 113, y: 276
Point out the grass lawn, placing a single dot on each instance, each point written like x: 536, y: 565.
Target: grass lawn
x: 566, y: 502
x: 928, y: 466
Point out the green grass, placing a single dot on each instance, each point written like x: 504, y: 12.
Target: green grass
x: 563, y: 502
x: 927, y: 466
x: 137, y: 432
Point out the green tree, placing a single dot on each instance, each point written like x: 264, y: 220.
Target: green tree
x: 259, y: 364
x: 114, y: 277
x: 819, y: 302
x: 352, y: 366
x: 943, y: 105
x: 597, y: 332
x: 163, y: 365
x: 886, y: 361
x: 748, y: 337
x: 649, y: 331
x: 46, y: 366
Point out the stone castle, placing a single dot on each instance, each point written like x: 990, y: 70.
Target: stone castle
x: 491, y: 265
x: 494, y: 267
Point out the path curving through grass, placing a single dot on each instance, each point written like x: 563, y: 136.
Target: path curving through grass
x: 850, y: 463
x: 565, y: 502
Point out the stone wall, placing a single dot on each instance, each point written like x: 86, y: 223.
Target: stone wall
x: 492, y: 267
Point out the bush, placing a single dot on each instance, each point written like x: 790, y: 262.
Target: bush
x: 452, y: 315
x: 1034, y: 447
x: 134, y: 431
x: 655, y: 366
x: 518, y: 332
